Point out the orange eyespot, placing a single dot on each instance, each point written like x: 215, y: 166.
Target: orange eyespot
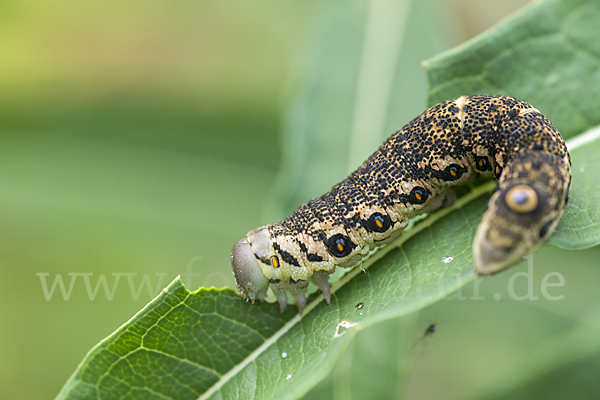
x: 377, y: 223
x: 480, y: 163
x: 339, y: 245
x: 522, y: 199
x: 452, y: 172
x: 418, y: 196
x: 275, y: 261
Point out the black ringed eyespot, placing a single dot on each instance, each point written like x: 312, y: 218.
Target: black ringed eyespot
x: 418, y: 195
x: 453, y: 172
x: 482, y: 163
x: 521, y: 199
x: 275, y: 261
x: 378, y: 222
x: 339, y: 245
x: 498, y: 171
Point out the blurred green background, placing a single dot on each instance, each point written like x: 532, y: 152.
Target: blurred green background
x: 144, y: 138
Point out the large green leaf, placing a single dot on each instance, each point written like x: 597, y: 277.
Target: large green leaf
x: 177, y: 347
x: 386, y: 345
x: 580, y: 226
x: 210, y: 344
x: 547, y: 55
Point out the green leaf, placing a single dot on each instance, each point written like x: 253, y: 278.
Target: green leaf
x: 210, y: 342
x: 386, y: 345
x: 211, y: 345
x: 547, y: 55
x: 177, y: 347
x: 579, y: 228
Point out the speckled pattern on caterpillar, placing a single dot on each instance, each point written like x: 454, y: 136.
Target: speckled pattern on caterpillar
x: 495, y: 136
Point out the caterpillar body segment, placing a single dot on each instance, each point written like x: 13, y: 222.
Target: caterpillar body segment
x: 495, y: 136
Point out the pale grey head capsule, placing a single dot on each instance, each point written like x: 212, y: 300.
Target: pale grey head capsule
x: 249, y: 278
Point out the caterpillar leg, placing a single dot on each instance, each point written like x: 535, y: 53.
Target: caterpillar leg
x: 298, y: 290
x: 448, y: 200
x: 321, y: 280
x: 443, y: 200
x: 279, y: 289
x: 282, y: 300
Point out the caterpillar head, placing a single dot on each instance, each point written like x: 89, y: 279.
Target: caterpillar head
x: 519, y: 218
x: 523, y: 212
x: 249, y: 277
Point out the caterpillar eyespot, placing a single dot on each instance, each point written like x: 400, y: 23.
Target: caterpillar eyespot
x: 418, y: 195
x: 339, y: 245
x: 522, y: 199
x: 275, y: 261
x: 497, y: 171
x: 496, y: 136
x: 378, y: 222
x: 482, y: 164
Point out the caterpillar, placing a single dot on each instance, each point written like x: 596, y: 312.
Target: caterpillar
x: 495, y: 136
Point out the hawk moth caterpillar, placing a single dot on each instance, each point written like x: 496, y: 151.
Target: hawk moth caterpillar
x: 496, y: 136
